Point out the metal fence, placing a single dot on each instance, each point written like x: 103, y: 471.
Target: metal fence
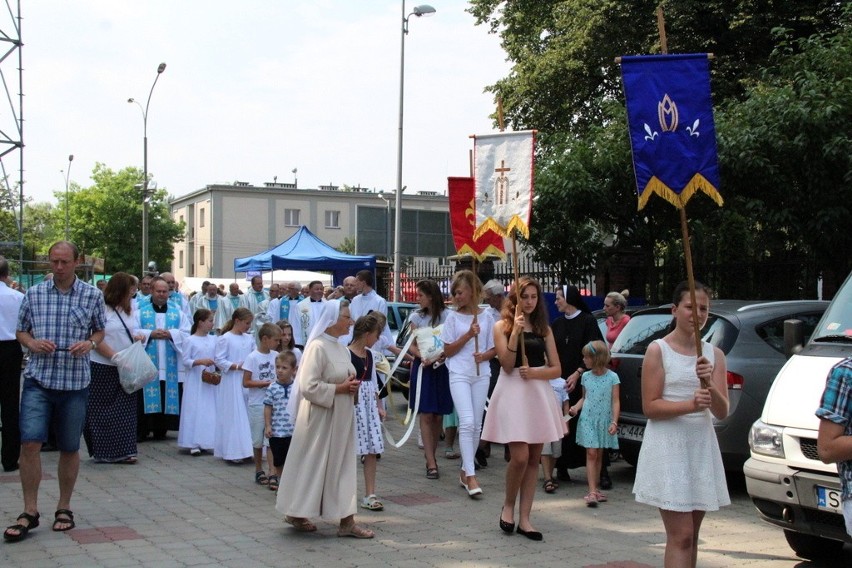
x: 785, y: 280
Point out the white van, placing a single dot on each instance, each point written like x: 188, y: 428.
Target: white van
x: 785, y: 478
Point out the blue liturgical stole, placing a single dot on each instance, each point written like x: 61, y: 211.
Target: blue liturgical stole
x: 151, y: 393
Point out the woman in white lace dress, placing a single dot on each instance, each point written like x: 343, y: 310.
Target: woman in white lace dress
x: 680, y: 467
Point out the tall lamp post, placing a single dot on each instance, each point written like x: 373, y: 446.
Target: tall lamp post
x: 67, y: 178
x: 145, y: 196
x: 387, y: 201
x: 418, y: 11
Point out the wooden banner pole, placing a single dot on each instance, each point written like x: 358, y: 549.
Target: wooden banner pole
x: 518, y: 294
x: 684, y: 227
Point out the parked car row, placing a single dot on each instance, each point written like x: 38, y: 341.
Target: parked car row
x: 751, y: 334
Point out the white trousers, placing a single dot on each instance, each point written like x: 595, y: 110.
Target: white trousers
x: 469, y: 395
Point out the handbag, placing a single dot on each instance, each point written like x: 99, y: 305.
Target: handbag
x: 211, y: 377
x: 135, y: 368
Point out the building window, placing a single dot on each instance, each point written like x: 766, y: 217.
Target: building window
x: 291, y: 217
x: 332, y: 219
x: 201, y: 217
x: 201, y: 254
x: 180, y: 260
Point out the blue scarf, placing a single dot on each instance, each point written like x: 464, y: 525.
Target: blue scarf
x: 151, y: 393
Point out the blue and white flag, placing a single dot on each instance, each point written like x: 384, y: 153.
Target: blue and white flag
x: 670, y: 119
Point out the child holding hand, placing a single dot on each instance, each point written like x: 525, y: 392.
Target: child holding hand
x: 279, y: 429
x: 598, y: 423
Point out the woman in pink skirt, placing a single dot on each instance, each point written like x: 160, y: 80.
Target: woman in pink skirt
x: 523, y: 412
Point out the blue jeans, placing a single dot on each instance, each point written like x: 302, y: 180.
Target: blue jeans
x: 42, y: 408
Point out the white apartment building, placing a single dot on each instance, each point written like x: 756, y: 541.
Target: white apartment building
x: 224, y: 222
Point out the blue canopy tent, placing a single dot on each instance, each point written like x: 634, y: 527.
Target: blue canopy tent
x: 304, y: 251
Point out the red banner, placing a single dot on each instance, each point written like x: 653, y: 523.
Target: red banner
x: 463, y: 218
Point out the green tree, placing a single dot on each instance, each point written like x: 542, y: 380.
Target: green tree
x: 788, y: 150
x: 563, y: 50
x: 347, y: 246
x: 565, y: 83
x: 106, y: 220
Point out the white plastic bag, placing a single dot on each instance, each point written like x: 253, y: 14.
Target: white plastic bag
x: 135, y: 369
x: 429, y: 342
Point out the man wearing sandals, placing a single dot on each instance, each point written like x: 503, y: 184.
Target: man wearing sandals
x: 61, y: 321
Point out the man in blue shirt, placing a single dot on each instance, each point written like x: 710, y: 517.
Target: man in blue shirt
x: 834, y: 442
x: 60, y: 321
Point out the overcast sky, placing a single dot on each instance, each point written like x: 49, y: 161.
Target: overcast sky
x: 252, y: 90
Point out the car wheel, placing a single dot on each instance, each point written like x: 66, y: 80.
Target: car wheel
x: 630, y: 455
x: 812, y: 547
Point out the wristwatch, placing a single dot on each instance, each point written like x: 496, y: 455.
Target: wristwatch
x: 94, y: 343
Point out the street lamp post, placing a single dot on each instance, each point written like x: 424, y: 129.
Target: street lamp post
x: 397, y: 241
x: 145, y: 196
x: 387, y: 201
x: 67, y: 178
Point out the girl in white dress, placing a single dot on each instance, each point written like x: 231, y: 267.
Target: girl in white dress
x: 198, y: 413
x: 232, y: 441
x: 680, y: 467
x: 369, y: 411
x: 468, y: 346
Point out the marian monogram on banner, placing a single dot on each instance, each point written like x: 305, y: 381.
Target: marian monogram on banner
x: 672, y: 133
x: 504, y: 182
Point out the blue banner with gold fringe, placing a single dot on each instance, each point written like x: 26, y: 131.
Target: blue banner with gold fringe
x: 672, y: 134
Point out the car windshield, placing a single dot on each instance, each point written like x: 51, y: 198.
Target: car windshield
x: 404, y: 312
x: 643, y: 329
x: 836, y: 324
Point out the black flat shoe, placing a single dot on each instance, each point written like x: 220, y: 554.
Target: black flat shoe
x: 480, y: 459
x: 606, y: 481
x: 507, y: 528
x: 532, y: 535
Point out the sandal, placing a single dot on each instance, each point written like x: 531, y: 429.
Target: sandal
x: 451, y: 454
x: 67, y: 519
x: 260, y: 478
x: 591, y: 500
x: 432, y: 473
x: 300, y: 524
x: 273, y: 483
x: 22, y: 529
x: 600, y: 497
x: 371, y: 503
x: 549, y: 486
x: 355, y: 531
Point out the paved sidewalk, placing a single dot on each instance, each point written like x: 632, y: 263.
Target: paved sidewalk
x: 172, y: 509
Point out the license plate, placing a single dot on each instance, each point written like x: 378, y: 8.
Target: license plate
x: 828, y: 499
x: 631, y: 432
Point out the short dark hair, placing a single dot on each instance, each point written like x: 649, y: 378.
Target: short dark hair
x: 314, y: 283
x: 365, y: 276
x: 4, y: 267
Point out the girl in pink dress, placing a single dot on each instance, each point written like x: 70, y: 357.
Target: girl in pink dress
x: 523, y: 412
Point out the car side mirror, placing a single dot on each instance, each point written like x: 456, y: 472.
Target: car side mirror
x: 794, y: 337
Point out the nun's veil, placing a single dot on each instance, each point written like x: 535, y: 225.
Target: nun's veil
x: 328, y: 317
x: 573, y: 297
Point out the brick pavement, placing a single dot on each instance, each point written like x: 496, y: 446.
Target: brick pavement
x: 172, y: 509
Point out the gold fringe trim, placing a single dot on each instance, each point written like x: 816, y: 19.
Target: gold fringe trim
x: 490, y: 250
x: 696, y: 184
x: 515, y: 224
